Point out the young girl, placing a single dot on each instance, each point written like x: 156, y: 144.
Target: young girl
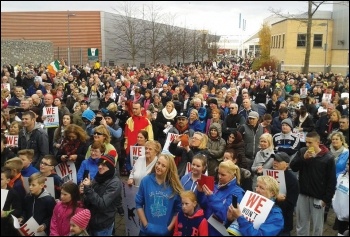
x: 190, y: 221
x: 198, y: 167
x: 79, y: 222
x: 65, y: 209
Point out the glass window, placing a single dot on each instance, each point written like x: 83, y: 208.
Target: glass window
x: 301, y: 41
x: 318, y: 40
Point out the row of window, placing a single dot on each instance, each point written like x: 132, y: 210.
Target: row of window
x: 277, y: 41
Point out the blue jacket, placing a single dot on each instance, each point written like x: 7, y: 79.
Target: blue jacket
x: 159, y: 205
x: 27, y: 172
x: 197, y: 126
x: 272, y: 226
x: 340, y: 165
x: 90, y: 165
x: 188, y: 184
x: 219, y: 202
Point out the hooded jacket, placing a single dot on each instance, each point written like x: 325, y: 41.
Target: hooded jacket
x: 316, y: 175
x: 40, y: 207
x: 195, y: 225
x: 37, y: 140
x: 216, y: 145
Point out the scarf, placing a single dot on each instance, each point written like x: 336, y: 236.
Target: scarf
x: 136, y: 98
x: 70, y: 147
x: 100, y: 178
x: 301, y: 119
x: 336, y: 153
x: 181, y: 130
x: 169, y: 115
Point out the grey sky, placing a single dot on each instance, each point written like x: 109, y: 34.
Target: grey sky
x: 219, y: 17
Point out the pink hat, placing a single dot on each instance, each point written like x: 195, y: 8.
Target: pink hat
x: 82, y: 218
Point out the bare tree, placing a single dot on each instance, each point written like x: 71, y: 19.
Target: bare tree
x: 185, y: 44
x: 170, y: 40
x: 127, y: 31
x: 203, y: 44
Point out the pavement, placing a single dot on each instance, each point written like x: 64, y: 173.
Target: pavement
x: 327, y: 229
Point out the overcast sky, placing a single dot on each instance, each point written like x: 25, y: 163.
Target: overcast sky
x: 219, y: 17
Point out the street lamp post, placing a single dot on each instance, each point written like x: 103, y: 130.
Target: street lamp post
x: 69, y: 15
x: 325, y: 49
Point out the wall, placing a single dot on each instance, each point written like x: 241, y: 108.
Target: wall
x: 25, y: 51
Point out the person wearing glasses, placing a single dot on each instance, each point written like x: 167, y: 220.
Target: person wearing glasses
x: 47, y: 169
x: 197, y: 145
x: 232, y: 121
x: 73, y: 146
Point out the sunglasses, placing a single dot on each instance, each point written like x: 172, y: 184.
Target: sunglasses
x: 98, y: 133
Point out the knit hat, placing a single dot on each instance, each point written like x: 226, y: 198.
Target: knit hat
x: 108, y: 160
x: 88, y: 114
x: 281, y: 156
x: 111, y: 115
x: 288, y: 122
x: 82, y: 218
x: 253, y: 114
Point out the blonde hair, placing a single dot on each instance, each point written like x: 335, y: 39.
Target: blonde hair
x: 268, y: 138
x: 112, y: 107
x: 171, y: 175
x: 37, y: 176
x: 102, y: 129
x: 196, y: 113
x: 271, y: 184
x: 29, y: 153
x: 14, y: 164
x: 156, y: 145
x: 170, y: 103
x: 204, y: 141
x: 189, y: 194
x: 341, y: 136
x: 232, y: 169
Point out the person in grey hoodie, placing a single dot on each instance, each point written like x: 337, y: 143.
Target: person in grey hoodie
x: 216, y: 147
x: 32, y: 136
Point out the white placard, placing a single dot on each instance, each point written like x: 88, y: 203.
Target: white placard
x: 4, y: 193
x: 11, y: 140
x: 52, y: 119
x: 255, y: 208
x: 169, y: 139
x: 218, y: 225
x: 6, y: 85
x: 132, y: 221
x: 135, y: 153
x: 344, y: 95
x: 327, y: 97
x: 67, y: 171
x: 303, y: 92
x: 29, y: 228
x: 279, y: 176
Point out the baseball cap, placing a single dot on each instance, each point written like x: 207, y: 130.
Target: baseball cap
x: 281, y: 156
x: 253, y: 114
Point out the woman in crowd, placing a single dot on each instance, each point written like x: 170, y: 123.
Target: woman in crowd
x: 58, y: 135
x: 340, y: 151
x: 235, y: 142
x: 68, y: 205
x: 156, y: 105
x: 197, y: 145
x: 268, y: 187
x: 148, y: 99
x: 273, y: 105
x: 144, y: 165
x: 194, y: 121
x: 304, y: 124
x: 164, y: 183
x: 293, y: 105
x: 216, y: 202
x: 77, y: 115
x: 73, y: 146
x: 199, y: 166
x: 165, y: 118
x: 216, y: 147
x: 215, y: 119
x: 142, y: 138
x: 263, y: 159
x: 62, y: 109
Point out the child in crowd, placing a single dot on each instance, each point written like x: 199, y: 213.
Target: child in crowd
x: 38, y: 204
x: 91, y: 164
x: 12, y: 206
x: 15, y: 165
x: 190, y: 221
x: 65, y: 209
x: 47, y: 168
x: 79, y: 222
x: 26, y: 155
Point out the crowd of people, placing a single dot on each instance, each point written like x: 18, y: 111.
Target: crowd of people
x: 232, y: 123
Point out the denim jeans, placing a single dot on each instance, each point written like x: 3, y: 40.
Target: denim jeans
x: 105, y: 232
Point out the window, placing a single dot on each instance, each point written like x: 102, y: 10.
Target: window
x: 271, y: 41
x: 301, y: 41
x: 283, y: 40
x: 279, y: 41
x: 318, y: 40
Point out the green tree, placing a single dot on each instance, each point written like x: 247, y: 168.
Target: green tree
x: 265, y: 41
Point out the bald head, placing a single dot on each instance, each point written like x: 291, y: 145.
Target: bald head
x: 48, y: 100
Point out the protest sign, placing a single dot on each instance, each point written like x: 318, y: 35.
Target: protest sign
x: 132, y: 221
x: 279, y: 176
x: 4, y: 193
x: 29, y: 228
x: 67, y: 171
x: 11, y: 140
x: 135, y: 153
x: 51, y: 117
x: 255, y: 208
x: 169, y: 139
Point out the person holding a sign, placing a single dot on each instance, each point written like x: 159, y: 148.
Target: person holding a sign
x: 267, y: 187
x: 142, y: 138
x: 6, y: 153
x: 158, y: 199
x: 216, y: 202
x: 287, y: 200
x: 144, y: 165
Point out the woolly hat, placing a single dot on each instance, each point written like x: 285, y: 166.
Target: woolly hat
x: 253, y: 114
x: 288, y: 122
x: 108, y: 160
x: 82, y: 218
x: 88, y: 114
x: 111, y: 115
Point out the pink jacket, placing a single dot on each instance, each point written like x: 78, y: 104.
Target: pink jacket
x: 60, y: 221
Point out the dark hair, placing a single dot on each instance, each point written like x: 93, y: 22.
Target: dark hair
x: 3, y: 139
x: 313, y: 134
x: 73, y: 190
x: 144, y: 134
x: 51, y: 158
x: 30, y: 113
x: 267, y: 117
x: 6, y: 171
x: 283, y: 110
x: 99, y: 145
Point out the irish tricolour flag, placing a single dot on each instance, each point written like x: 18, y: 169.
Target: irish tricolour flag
x: 53, y: 68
